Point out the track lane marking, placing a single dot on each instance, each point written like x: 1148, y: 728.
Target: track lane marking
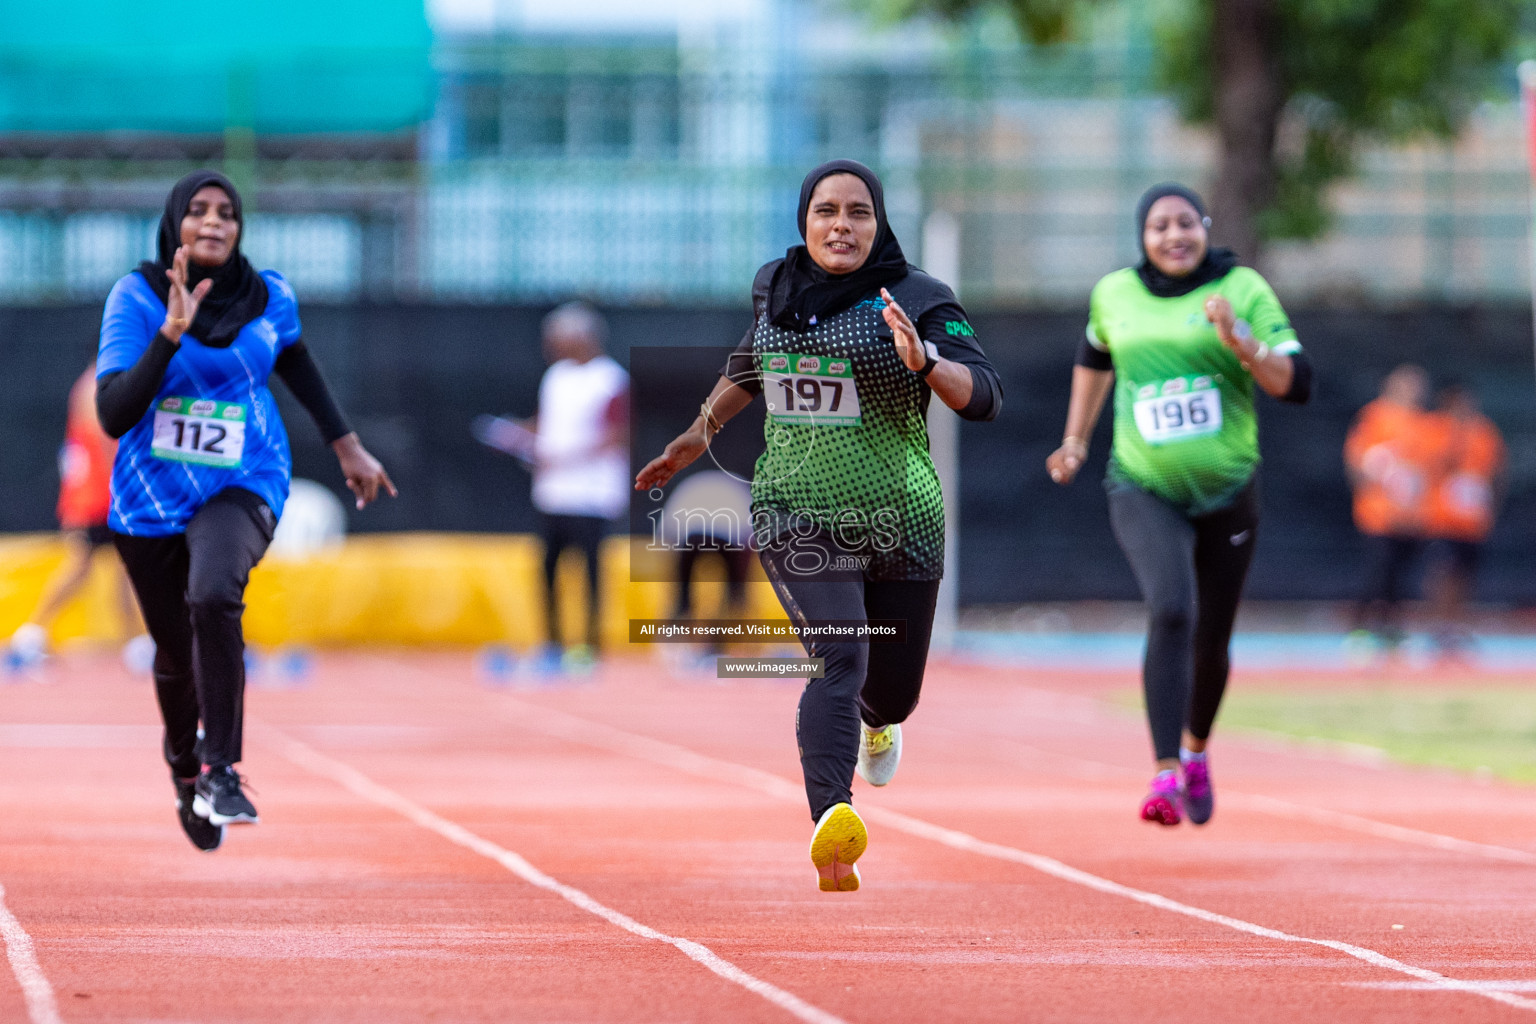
x: 1296, y: 812
x: 42, y: 1008
x: 563, y: 725
x: 1419, y: 986
x: 1382, y: 829
x: 351, y: 779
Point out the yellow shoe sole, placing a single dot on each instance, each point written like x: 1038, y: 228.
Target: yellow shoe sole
x: 839, y: 840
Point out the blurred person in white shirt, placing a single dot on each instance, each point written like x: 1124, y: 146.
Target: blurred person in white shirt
x: 580, y: 459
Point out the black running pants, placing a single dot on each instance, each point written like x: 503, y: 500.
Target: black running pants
x: 1191, y: 571
x: 876, y: 683
x: 191, y: 589
x: 1389, y: 563
x: 738, y: 564
x: 584, y: 533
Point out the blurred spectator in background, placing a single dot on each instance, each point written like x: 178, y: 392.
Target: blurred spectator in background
x: 708, y: 513
x: 580, y: 462
x: 1463, y: 498
x: 1389, y: 458
x: 85, y: 497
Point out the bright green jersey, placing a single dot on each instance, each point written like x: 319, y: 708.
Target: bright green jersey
x: 1185, y: 427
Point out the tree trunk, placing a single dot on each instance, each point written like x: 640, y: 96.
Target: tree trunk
x: 1249, y: 98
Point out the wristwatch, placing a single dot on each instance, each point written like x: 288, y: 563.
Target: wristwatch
x: 932, y: 352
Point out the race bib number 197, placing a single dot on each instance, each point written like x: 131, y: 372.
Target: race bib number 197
x: 810, y: 389
x: 199, y: 430
x: 1178, y: 409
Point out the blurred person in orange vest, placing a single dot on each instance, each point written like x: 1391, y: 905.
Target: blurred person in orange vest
x: 1463, y: 498
x: 85, y: 497
x: 1389, y: 458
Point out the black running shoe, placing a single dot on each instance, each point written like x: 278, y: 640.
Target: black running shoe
x: 205, y: 835
x: 220, y: 800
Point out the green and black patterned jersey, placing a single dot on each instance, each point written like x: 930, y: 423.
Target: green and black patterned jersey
x: 1185, y: 427
x: 846, y: 437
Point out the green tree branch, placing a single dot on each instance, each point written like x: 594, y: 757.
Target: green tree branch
x: 1293, y: 87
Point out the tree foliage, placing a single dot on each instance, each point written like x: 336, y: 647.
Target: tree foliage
x: 1348, y: 71
x: 1352, y: 70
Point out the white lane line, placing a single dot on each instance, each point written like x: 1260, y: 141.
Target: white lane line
x: 1050, y: 866
x: 42, y: 1008
x: 1297, y: 812
x: 562, y: 725
x: 1381, y: 829
x: 1419, y: 986
x: 350, y: 778
x: 84, y: 736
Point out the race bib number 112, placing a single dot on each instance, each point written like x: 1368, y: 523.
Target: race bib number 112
x: 1178, y: 410
x: 200, y: 431
x: 810, y: 389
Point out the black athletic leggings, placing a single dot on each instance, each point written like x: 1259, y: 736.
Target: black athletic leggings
x: 585, y: 533
x: 191, y: 589
x: 877, y: 683
x: 1191, y: 572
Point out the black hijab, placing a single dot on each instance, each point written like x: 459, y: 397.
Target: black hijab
x: 1217, y: 263
x: 238, y: 295
x: 802, y: 292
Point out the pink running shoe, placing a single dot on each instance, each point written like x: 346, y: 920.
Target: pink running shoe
x: 1199, y: 796
x: 1162, y: 802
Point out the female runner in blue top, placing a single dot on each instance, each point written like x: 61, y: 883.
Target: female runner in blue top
x: 202, y: 469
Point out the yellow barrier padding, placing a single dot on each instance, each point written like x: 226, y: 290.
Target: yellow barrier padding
x: 396, y: 589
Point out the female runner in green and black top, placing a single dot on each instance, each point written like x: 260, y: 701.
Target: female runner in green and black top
x: 847, y: 344
x: 1182, y: 338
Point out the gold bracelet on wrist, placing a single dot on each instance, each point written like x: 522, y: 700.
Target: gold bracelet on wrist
x: 710, y: 422
x: 1073, y: 439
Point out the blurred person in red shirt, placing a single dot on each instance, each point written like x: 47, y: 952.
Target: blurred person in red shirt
x: 85, y: 497
x: 1389, y: 456
x: 1463, y: 496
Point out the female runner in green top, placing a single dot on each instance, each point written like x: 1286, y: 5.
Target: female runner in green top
x: 1182, y: 338
x: 848, y: 345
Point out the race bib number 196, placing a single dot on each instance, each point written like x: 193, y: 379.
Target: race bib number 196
x: 199, y: 430
x: 1178, y: 409
x: 810, y: 389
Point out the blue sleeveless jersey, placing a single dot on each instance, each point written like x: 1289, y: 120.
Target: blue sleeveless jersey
x: 213, y: 424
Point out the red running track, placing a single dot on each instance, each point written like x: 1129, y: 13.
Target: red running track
x: 633, y: 850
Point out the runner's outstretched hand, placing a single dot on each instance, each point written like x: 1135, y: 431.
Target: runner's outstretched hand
x: 684, y: 448
x: 1233, y: 333
x: 365, y: 474
x: 1064, y: 462
x: 908, y: 345
x: 180, y: 303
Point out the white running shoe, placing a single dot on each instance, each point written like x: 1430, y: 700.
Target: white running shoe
x: 29, y: 644
x: 139, y: 655
x: 879, y: 754
x: 839, y: 840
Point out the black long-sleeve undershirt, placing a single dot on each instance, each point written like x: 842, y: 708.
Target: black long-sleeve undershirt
x: 302, y: 375
x: 123, y: 398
